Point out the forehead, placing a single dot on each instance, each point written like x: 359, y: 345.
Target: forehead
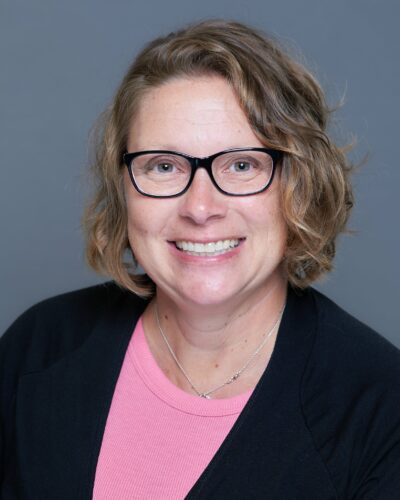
x: 191, y: 115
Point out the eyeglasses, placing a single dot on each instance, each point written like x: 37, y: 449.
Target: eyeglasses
x: 234, y: 172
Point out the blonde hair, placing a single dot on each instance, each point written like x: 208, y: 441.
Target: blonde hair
x: 286, y: 108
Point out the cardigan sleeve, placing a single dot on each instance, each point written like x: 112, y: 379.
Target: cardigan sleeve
x: 384, y: 479
x: 351, y: 403
x: 378, y: 473
x: 13, y: 346
x: 38, y: 338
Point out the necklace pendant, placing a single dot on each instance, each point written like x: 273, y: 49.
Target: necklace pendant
x: 203, y: 395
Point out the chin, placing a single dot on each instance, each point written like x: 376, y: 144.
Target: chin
x: 198, y: 293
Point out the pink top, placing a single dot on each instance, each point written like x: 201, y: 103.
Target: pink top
x: 158, y: 439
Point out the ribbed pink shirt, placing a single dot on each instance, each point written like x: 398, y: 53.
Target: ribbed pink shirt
x: 158, y: 439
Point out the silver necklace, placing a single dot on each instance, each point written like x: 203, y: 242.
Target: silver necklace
x: 235, y: 376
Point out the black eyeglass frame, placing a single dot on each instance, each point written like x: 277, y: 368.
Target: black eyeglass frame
x: 196, y: 163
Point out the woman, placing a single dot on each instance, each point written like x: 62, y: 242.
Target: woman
x: 218, y: 373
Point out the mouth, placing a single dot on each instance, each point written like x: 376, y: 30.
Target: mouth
x: 209, y: 249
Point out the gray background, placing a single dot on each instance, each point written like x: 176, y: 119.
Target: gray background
x: 60, y: 64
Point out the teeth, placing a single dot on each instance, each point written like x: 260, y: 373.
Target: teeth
x: 204, y: 249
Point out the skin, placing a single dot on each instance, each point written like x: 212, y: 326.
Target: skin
x: 206, y: 304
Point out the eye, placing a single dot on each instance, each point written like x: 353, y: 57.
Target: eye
x: 241, y: 166
x: 164, y: 168
x: 161, y: 166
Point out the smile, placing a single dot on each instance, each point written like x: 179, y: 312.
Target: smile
x: 207, y: 249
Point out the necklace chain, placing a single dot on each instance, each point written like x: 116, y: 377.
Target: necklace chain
x: 235, y: 376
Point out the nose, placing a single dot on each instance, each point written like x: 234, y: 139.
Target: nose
x: 202, y: 202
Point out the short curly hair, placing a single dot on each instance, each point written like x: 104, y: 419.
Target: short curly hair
x: 285, y: 107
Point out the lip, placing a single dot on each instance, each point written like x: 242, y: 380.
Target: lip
x: 206, y: 259
x: 208, y: 240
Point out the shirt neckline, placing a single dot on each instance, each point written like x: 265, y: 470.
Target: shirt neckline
x: 156, y: 381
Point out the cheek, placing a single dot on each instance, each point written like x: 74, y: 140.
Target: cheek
x: 137, y: 225
x: 270, y: 227
x: 140, y: 222
x: 265, y: 212
x: 148, y: 219
x: 277, y: 225
x: 138, y: 233
x: 138, y: 214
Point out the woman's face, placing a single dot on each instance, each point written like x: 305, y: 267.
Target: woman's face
x: 201, y: 116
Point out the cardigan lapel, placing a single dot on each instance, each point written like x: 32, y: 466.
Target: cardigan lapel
x: 62, y: 410
x: 268, y: 450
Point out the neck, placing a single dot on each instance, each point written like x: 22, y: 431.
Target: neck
x: 213, y: 343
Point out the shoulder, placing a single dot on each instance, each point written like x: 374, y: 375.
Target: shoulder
x: 350, y: 346
x: 58, y: 325
x: 348, y: 358
x: 350, y: 397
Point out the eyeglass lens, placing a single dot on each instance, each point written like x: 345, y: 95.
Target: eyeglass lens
x: 235, y: 172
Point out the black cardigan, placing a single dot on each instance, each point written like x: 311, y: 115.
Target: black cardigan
x: 323, y: 422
